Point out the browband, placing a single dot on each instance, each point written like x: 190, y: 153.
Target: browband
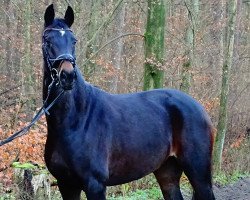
x: 56, y: 29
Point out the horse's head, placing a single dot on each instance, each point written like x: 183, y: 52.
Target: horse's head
x: 59, y: 47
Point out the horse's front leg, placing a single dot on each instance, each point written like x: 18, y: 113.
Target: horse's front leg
x: 68, y: 192
x: 95, y: 190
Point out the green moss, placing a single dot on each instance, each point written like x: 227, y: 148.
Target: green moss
x: 154, y: 44
x: 23, y: 165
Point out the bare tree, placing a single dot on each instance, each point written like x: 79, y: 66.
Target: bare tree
x: 192, y: 9
x: 226, y: 69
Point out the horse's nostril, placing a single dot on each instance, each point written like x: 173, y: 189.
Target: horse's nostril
x: 67, y: 79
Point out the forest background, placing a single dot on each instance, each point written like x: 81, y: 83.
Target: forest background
x: 111, y: 54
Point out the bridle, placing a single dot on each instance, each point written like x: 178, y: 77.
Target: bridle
x: 51, y: 61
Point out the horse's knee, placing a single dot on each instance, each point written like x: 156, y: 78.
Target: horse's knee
x: 94, y: 186
x: 95, y: 190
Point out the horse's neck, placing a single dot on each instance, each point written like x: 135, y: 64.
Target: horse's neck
x: 72, y: 101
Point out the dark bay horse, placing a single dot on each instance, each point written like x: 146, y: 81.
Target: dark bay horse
x: 96, y: 139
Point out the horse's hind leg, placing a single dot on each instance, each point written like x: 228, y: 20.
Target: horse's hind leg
x: 196, y: 163
x: 199, y: 175
x: 168, y: 177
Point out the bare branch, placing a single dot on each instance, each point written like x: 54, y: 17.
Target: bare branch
x: 239, y: 95
x: 105, y: 22
x: 116, y: 38
x: 9, y: 90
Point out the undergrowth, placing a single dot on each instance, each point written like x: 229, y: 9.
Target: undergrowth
x: 143, y: 189
x: 223, y: 178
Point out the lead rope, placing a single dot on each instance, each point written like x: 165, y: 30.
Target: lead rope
x: 42, y: 110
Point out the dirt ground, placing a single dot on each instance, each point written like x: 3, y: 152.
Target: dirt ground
x: 236, y: 191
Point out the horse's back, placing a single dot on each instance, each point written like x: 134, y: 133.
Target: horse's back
x: 161, y: 103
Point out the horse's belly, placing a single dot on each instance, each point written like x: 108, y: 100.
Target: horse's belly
x: 117, y: 180
x: 129, y: 167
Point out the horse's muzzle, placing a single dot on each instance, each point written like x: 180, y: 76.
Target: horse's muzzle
x: 67, y: 75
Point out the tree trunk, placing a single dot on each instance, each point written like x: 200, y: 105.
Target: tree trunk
x: 247, y: 5
x: 226, y: 68
x: 92, y: 46
x: 26, y: 62
x: 8, y: 40
x: 117, y: 47
x: 193, y: 8
x: 16, y: 53
x: 154, y: 44
x: 28, y: 76
x: 32, y: 181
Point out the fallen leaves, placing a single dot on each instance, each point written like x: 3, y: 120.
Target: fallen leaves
x: 29, y: 147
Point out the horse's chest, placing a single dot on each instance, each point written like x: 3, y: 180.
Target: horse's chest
x: 64, y: 164
x: 55, y: 162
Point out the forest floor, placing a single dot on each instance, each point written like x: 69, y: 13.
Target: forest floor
x: 239, y: 190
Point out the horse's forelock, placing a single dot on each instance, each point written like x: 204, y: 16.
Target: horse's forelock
x: 58, y: 23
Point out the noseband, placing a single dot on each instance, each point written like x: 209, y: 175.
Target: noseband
x: 51, y: 61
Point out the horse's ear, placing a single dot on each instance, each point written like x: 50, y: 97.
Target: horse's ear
x: 69, y: 16
x: 49, y: 15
